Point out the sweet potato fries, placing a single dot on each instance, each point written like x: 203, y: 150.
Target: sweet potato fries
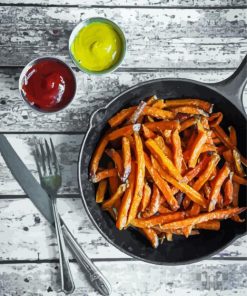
x: 170, y: 169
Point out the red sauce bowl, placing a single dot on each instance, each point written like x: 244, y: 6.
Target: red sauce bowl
x: 47, y: 84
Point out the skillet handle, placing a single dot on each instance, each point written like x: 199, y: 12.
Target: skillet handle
x: 232, y: 87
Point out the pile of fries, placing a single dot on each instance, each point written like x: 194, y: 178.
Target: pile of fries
x: 172, y: 169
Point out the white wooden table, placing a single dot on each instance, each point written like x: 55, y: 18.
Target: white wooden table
x: 197, y: 39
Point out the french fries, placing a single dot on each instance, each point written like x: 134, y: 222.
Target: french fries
x: 165, y: 175
x: 140, y: 178
x: 126, y: 158
x: 163, y: 159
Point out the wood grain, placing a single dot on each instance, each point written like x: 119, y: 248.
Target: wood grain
x: 226, y: 278
x: 67, y: 149
x: 140, y: 3
x: 173, y: 38
x: 24, y: 229
x: 93, y: 92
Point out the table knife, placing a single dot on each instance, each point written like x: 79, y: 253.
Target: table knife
x: 43, y: 202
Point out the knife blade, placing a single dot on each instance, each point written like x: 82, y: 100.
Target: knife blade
x: 26, y: 180
x: 43, y: 202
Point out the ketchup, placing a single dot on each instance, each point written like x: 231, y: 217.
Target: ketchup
x: 49, y: 85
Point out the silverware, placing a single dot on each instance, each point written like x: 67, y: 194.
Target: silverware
x: 43, y: 202
x: 51, y: 180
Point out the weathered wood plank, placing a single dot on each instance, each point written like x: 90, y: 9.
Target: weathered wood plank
x: 173, y: 38
x: 67, y: 148
x: 24, y: 229
x: 92, y: 93
x: 152, y: 3
x: 226, y: 278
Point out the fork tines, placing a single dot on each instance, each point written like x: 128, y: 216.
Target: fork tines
x: 46, y: 158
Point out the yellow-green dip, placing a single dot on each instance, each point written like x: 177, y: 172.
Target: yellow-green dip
x: 97, y: 47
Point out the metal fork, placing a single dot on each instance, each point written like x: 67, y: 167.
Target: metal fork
x: 50, y: 178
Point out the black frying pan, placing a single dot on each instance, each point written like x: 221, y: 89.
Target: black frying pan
x: 226, y: 96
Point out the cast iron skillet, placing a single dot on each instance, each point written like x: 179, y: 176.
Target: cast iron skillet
x: 226, y: 96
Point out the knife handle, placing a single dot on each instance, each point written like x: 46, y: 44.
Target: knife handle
x: 96, y: 277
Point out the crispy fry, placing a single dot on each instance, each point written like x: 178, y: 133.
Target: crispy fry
x: 163, y: 125
x: 159, y: 104
x: 117, y: 205
x: 186, y: 202
x: 221, y: 149
x: 126, y: 158
x: 100, y: 194
x: 220, y: 200
x: 145, y: 197
x: 188, y: 123
x: 233, y: 135
x: 137, y: 113
x: 237, y: 219
x: 126, y: 201
x: 206, y: 106
x: 158, y: 113
x: 216, y: 141
x: 208, y: 148
x: 189, y: 110
x: 228, y: 156
x: 148, y: 134
x: 153, y: 99
x: 177, y: 152
x: 197, y: 148
x: 205, y: 175
x: 150, y: 119
x: 164, y: 210
x: 207, y: 190
x: 209, y: 225
x: 185, y: 188
x: 112, y: 213
x: 235, y: 193
x: 227, y: 142
x: 216, y: 186
x: 139, y: 183
x: 121, y: 116
x: 115, y: 156
x: 228, y: 191
x: 113, y: 181
x: 194, y: 211
x: 154, y: 203
x: 97, y: 156
x: 215, y: 119
x: 110, y: 202
x: 152, y: 236
x: 204, y: 217
x: 124, y: 131
x: 163, y: 146
x: 157, y: 220
x: 239, y: 180
x: 167, y: 136
x: 161, y: 184
x: 176, y: 231
x: 192, y: 173
x: 162, y: 158
x: 104, y: 174
x: 237, y: 162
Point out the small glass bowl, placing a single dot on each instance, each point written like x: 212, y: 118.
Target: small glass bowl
x: 99, y: 20
x: 23, y: 74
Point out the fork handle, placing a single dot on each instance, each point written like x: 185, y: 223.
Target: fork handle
x: 67, y: 283
x: 97, y: 279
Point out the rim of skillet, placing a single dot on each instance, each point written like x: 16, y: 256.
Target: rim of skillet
x: 209, y: 255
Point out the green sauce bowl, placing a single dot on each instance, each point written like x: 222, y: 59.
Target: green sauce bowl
x: 116, y: 28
